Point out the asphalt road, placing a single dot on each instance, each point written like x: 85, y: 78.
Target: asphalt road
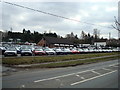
x: 96, y: 75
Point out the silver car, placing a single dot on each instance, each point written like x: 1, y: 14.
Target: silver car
x: 10, y: 52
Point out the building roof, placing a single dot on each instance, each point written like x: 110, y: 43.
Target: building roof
x: 54, y: 40
x: 101, y: 40
x: 113, y: 40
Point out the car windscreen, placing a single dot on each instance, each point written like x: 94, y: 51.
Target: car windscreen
x: 66, y: 50
x: 48, y: 49
x: 58, y: 50
x: 11, y: 49
x: 26, y: 50
x: 38, y: 50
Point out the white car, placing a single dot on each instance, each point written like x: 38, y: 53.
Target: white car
x: 59, y: 51
x: 108, y: 50
x: 80, y: 50
x: 91, y: 50
x: 26, y: 52
x: 10, y: 52
x: 115, y: 50
x: 96, y: 50
x: 86, y: 50
x: 67, y: 51
x: 100, y: 50
x: 49, y: 51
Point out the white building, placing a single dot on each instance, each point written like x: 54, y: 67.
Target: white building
x: 100, y: 44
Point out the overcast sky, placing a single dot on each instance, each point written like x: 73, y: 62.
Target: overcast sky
x: 98, y: 12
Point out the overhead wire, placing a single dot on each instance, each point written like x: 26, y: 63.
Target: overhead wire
x: 55, y: 15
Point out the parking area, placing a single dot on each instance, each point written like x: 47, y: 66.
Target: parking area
x: 31, y: 50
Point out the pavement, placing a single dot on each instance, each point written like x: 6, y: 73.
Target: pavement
x: 96, y: 75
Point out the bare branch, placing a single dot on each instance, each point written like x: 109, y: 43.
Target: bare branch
x: 114, y: 27
x: 115, y: 19
x: 117, y: 24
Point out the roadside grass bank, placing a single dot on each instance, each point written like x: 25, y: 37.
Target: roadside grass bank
x: 72, y: 63
x: 47, y: 59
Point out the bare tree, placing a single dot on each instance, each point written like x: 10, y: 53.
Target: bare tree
x: 96, y: 33
x: 117, y: 26
x: 82, y: 35
x: 70, y: 35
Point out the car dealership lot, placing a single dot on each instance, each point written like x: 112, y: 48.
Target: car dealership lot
x: 30, y: 50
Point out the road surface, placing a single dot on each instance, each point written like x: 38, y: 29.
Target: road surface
x: 96, y: 75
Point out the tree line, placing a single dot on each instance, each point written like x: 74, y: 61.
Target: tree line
x: 86, y: 38
x: 35, y: 37
x: 26, y: 36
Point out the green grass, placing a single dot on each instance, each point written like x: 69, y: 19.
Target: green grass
x: 43, y: 59
x: 73, y: 63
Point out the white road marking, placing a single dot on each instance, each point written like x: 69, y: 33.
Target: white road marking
x: 91, y: 78
x: 22, y: 86
x: 61, y: 76
x: 106, y: 69
x: 69, y: 75
x: 113, y: 64
x: 82, y: 78
x: 57, y: 79
x: 95, y: 72
x: 78, y: 75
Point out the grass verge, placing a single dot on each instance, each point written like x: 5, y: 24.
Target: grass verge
x: 44, y: 59
x: 73, y: 63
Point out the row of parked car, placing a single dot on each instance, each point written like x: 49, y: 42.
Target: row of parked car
x: 27, y: 50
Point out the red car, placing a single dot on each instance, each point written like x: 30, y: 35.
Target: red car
x: 39, y: 52
x: 74, y: 51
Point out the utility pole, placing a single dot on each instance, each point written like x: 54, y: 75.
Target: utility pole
x: 119, y: 19
x: 109, y: 35
x: 11, y: 29
x: 117, y: 22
